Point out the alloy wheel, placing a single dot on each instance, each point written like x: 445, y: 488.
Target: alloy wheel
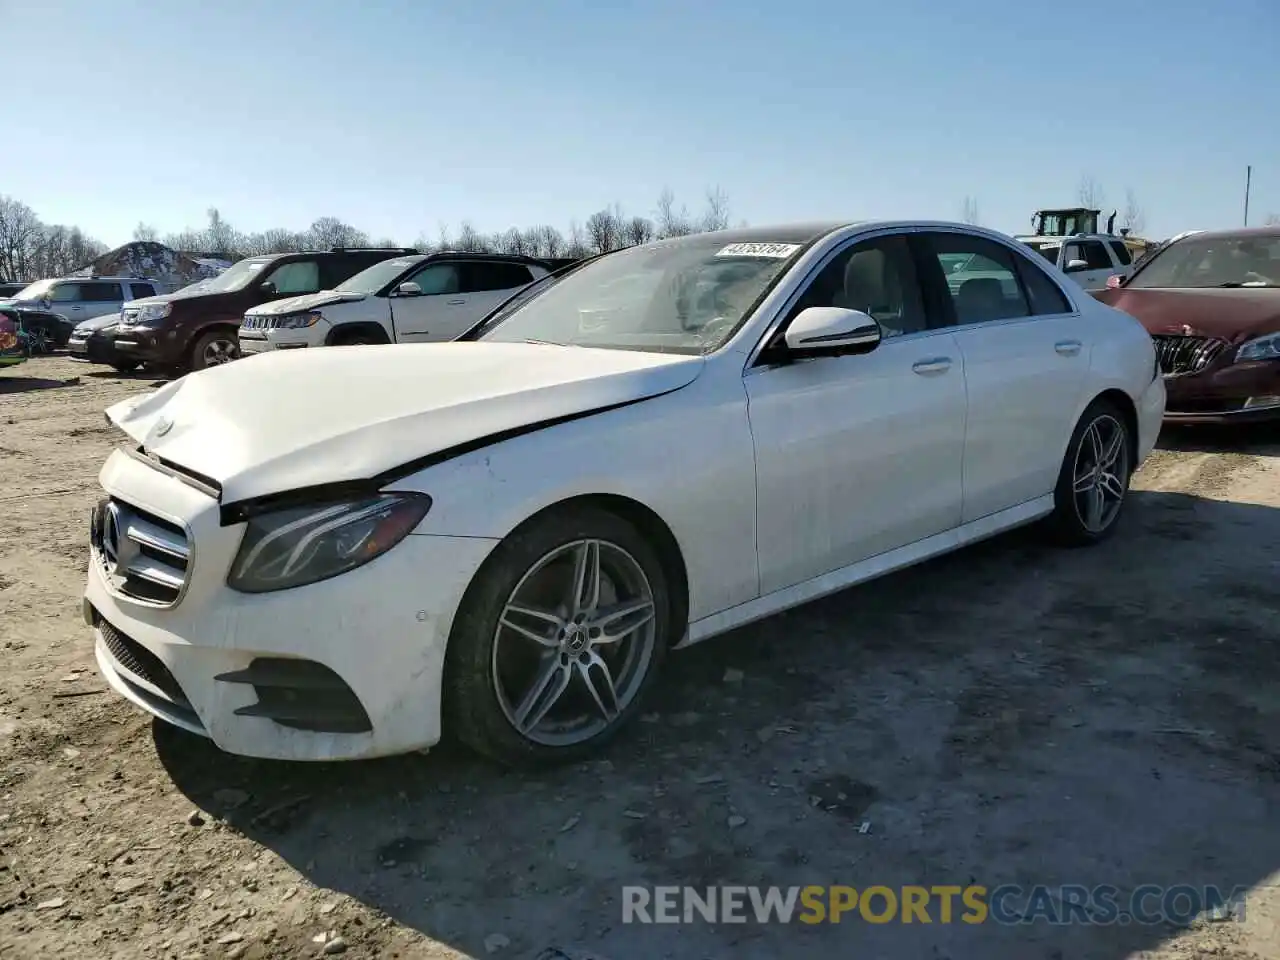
x: 220, y: 351
x: 39, y: 338
x: 1100, y: 473
x: 574, y: 643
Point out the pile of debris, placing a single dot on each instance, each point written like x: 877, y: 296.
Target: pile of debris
x: 169, y: 268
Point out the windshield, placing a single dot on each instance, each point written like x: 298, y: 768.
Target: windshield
x: 35, y: 291
x: 235, y: 277
x: 1047, y: 250
x: 1213, y: 262
x: 685, y: 295
x: 372, y: 280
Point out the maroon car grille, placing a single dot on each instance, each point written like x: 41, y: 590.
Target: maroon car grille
x: 1179, y: 355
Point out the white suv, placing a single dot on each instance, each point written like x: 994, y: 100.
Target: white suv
x: 412, y: 299
x: 82, y: 298
x: 1090, y: 259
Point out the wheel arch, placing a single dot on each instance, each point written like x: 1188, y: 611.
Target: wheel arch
x: 1124, y: 403
x: 341, y: 332
x: 648, y: 523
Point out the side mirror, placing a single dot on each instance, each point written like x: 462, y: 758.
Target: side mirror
x: 267, y: 287
x: 1076, y: 265
x: 408, y: 289
x: 822, y: 331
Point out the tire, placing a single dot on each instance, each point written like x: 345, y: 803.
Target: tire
x: 125, y: 366
x: 39, y: 341
x: 1079, y: 518
x: 492, y: 670
x: 358, y: 338
x: 213, y: 349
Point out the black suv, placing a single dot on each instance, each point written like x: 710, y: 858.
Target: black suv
x: 195, y: 327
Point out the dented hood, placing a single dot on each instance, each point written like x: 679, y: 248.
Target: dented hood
x: 284, y: 420
x: 306, y: 301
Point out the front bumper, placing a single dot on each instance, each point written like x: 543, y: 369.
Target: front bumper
x: 286, y: 675
x: 1232, y: 393
x: 159, y: 347
x: 265, y: 341
x: 95, y: 349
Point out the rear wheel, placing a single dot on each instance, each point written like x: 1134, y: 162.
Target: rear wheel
x: 125, y: 366
x: 39, y: 340
x: 1094, y: 481
x: 357, y: 338
x: 557, y: 640
x: 214, y: 349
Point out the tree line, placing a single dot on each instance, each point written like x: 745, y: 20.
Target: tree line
x: 1089, y: 194
x: 31, y: 249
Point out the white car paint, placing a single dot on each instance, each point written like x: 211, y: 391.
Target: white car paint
x: 425, y: 317
x: 778, y: 483
x: 1065, y: 252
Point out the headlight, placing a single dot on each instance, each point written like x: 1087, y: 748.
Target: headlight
x: 1260, y: 348
x: 291, y: 548
x: 148, y: 313
x: 297, y: 321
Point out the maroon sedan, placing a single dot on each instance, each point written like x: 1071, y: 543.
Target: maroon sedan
x: 1211, y: 302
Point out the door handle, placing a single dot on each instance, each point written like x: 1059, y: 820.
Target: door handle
x: 931, y: 366
x: 455, y: 303
x: 1068, y: 348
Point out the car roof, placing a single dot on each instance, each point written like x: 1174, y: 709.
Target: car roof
x: 1269, y: 232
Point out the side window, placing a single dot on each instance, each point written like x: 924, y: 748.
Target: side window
x: 877, y: 277
x: 987, y: 288
x: 66, y: 293
x: 482, y: 276
x: 141, y: 290
x: 1046, y: 299
x: 291, y: 279
x: 437, y: 278
x: 1121, y: 252
x: 1095, y: 254
x: 100, y: 292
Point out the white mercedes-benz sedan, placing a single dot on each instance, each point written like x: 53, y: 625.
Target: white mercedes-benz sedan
x: 339, y: 553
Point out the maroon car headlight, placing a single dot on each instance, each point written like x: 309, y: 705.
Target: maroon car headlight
x: 293, y: 547
x: 1260, y: 348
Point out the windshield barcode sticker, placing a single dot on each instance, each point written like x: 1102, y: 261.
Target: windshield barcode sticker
x: 779, y: 251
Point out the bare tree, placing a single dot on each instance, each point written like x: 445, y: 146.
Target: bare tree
x: 969, y: 211
x: 1090, y: 193
x: 637, y: 230
x: 1272, y: 219
x: 470, y: 240
x: 577, y: 245
x: 604, y: 232
x: 1135, y: 217
x: 550, y: 242
x: 329, y: 232
x: 20, y: 231
x: 146, y: 233
x: 220, y: 237
x: 716, y: 216
x: 670, y: 221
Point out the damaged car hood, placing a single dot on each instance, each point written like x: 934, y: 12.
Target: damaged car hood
x: 306, y: 301
x: 282, y: 421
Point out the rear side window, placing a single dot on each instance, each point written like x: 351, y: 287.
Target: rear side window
x: 100, y: 292
x: 483, y: 276
x: 986, y: 287
x: 291, y: 279
x: 141, y: 290
x: 1121, y: 252
x: 1045, y: 297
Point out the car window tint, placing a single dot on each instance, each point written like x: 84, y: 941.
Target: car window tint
x: 291, y: 279
x: 1045, y: 295
x: 1095, y: 255
x: 141, y: 290
x: 66, y: 293
x: 877, y: 277
x: 987, y: 288
x: 100, y: 292
x: 483, y: 276
x: 1122, y: 252
x: 437, y: 278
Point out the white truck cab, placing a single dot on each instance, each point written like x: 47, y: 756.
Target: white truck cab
x: 410, y: 299
x: 1090, y: 259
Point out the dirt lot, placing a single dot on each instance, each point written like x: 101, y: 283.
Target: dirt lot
x: 1013, y: 714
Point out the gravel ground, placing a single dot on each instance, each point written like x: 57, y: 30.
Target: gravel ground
x: 1012, y: 714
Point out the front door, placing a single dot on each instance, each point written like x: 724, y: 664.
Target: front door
x: 858, y: 455
x: 1026, y: 357
x: 1098, y: 265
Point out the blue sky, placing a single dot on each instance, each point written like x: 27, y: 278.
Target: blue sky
x: 400, y: 116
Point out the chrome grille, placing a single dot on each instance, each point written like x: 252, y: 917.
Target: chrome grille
x: 145, y: 557
x: 253, y: 323
x: 1180, y: 356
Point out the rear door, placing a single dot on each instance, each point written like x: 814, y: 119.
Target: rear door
x: 1026, y: 359
x: 427, y: 315
x: 486, y: 284
x: 1093, y: 263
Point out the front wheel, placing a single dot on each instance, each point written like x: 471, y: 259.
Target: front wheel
x: 39, y: 341
x: 125, y: 366
x: 557, y: 640
x: 214, y: 349
x: 1094, y: 480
